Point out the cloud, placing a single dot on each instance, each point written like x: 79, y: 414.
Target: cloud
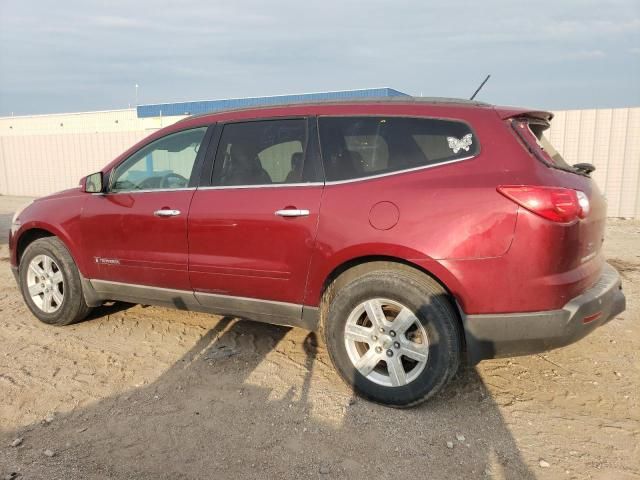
x: 116, y: 22
x: 82, y: 55
x: 586, y: 54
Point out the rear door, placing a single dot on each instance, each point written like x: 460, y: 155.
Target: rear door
x: 252, y: 225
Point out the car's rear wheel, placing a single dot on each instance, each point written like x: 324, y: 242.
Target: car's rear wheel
x: 393, y: 336
x: 50, y: 283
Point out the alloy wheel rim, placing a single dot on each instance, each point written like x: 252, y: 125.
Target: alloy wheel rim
x: 386, y: 342
x: 45, y: 283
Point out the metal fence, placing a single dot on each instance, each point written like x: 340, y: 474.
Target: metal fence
x: 46, y: 153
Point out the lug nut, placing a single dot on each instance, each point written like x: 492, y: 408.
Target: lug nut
x: 378, y: 349
x: 389, y: 353
x: 392, y: 333
x: 396, y: 344
x: 374, y: 338
x: 381, y: 330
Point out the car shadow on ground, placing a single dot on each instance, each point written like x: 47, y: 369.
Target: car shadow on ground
x: 110, y: 308
x: 215, y: 414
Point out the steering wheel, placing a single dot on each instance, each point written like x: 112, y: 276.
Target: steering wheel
x: 182, y: 182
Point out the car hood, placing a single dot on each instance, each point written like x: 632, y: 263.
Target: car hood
x: 69, y: 192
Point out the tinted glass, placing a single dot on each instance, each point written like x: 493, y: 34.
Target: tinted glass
x: 261, y: 153
x: 538, y: 129
x: 355, y: 147
x: 166, y: 163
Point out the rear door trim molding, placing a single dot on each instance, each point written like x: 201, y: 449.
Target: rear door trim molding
x: 268, y: 311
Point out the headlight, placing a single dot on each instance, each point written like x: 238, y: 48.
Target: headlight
x: 15, y: 221
x: 15, y: 225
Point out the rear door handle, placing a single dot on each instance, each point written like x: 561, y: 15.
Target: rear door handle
x: 165, y: 212
x: 292, y: 212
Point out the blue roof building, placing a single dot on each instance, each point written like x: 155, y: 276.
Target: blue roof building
x: 208, y: 106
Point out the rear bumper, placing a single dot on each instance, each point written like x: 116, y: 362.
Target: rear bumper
x: 510, y: 335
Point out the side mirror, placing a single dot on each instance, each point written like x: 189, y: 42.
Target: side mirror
x: 93, y: 183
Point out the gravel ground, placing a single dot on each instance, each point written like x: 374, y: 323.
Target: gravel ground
x: 138, y: 392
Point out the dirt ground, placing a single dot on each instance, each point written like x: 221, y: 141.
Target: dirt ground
x: 138, y: 392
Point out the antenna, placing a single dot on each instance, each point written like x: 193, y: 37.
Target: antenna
x: 480, y: 87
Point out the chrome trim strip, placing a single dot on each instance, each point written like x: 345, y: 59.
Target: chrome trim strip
x: 339, y: 182
x: 398, y: 172
x: 128, y: 192
x: 266, y: 185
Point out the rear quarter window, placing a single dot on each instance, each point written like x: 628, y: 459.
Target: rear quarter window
x: 358, y: 147
x: 531, y: 132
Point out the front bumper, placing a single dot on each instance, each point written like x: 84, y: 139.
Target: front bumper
x: 514, y: 334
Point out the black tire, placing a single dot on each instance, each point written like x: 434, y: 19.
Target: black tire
x: 426, y: 299
x: 73, y: 307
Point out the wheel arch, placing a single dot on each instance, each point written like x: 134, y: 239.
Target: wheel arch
x: 35, y: 231
x: 29, y: 236
x: 359, y: 265
x: 352, y: 268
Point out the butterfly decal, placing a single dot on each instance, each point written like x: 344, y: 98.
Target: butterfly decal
x: 463, y: 143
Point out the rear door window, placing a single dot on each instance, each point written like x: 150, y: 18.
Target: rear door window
x: 357, y: 147
x: 268, y: 152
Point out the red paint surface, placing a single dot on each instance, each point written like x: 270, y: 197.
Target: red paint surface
x: 491, y: 254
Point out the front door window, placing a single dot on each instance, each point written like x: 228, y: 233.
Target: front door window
x: 165, y: 164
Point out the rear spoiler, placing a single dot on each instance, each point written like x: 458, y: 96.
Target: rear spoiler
x: 506, y: 113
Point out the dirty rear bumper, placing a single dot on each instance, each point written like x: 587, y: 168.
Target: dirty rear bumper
x: 510, y: 335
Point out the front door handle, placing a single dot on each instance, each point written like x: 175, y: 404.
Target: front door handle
x: 292, y: 212
x: 165, y: 212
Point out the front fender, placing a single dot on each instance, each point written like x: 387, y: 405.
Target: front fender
x: 58, y: 216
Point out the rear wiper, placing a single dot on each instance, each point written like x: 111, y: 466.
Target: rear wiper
x: 584, y: 167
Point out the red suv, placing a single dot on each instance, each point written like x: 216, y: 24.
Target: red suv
x: 412, y: 233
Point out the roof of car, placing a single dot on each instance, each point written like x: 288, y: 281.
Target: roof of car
x: 352, y: 101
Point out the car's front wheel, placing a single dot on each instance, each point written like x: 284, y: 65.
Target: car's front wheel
x: 393, y: 336
x: 50, y: 283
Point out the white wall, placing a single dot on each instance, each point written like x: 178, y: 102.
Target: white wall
x: 45, y: 153
x: 42, y: 154
x: 609, y: 139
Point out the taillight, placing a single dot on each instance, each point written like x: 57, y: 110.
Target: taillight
x: 562, y: 205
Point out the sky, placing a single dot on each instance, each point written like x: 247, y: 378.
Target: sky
x: 81, y: 55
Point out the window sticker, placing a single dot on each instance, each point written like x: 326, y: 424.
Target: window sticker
x: 463, y: 143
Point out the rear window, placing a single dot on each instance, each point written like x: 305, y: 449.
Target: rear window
x: 357, y: 147
x: 532, y: 133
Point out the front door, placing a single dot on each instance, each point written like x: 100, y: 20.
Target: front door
x: 136, y: 232
x: 252, y: 232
